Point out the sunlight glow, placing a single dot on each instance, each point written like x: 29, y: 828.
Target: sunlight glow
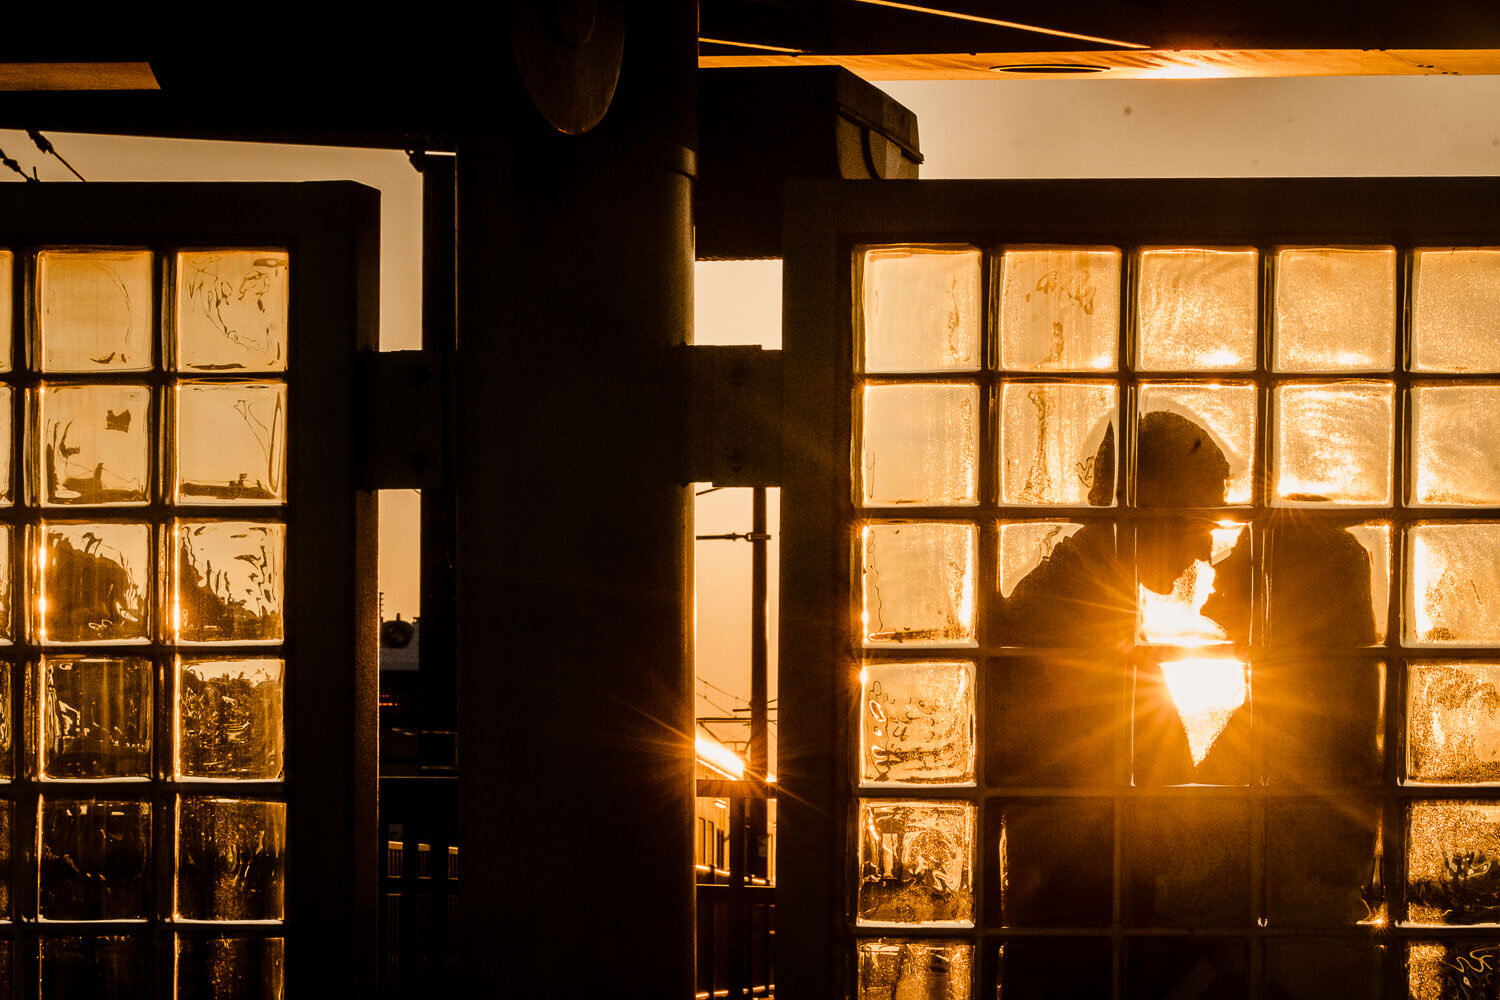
x: 719, y: 757
x: 1176, y: 619
x: 1207, y: 691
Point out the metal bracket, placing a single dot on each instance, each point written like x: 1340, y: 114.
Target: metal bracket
x: 734, y: 437
x: 404, y: 416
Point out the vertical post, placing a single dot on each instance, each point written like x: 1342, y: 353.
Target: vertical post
x: 759, y: 665
x: 576, y: 724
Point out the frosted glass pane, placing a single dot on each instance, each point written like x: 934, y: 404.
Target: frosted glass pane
x: 1329, y: 583
x: 7, y: 424
x: 1060, y: 584
x: 1333, y: 444
x: 96, y: 583
x: 228, y: 581
x: 96, y: 717
x: 1057, y: 443
x: 1438, y: 970
x: 1452, y: 585
x: 919, y: 583
x: 229, y: 718
x: 917, y: 723
x: 7, y: 588
x: 231, y: 310
x: 94, y: 311
x: 921, y: 445
x: 1456, y: 445
x: 916, y: 861
x: 1335, y: 310
x: 230, y: 968
x: 1451, y: 847
x: 7, y: 305
x: 1059, y: 309
x: 891, y: 968
x: 231, y: 442
x: 94, y: 444
x: 1196, y: 310
x: 95, y: 859
x: 230, y: 859
x: 1455, y: 323
x: 1453, y: 722
x: 922, y: 309
x: 1025, y: 545
x: 1194, y: 582
x: 1226, y: 413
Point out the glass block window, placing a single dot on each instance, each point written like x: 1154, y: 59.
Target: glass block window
x: 1177, y: 583
x: 143, y: 511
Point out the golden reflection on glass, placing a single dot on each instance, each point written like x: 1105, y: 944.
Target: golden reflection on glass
x: 916, y: 859
x: 95, y: 717
x: 1335, y: 309
x: 1196, y: 309
x: 7, y: 305
x: 919, y: 583
x: 95, y: 582
x: 1057, y: 443
x: 1176, y: 618
x: 1455, y: 323
x: 1207, y: 691
x: 1025, y: 545
x: 231, y: 443
x: 922, y: 309
x: 1453, y: 575
x: 94, y: 310
x: 1453, y: 723
x: 230, y: 859
x: 93, y: 445
x: 227, y: 581
x: 231, y: 310
x: 1059, y: 308
x: 917, y: 723
x: 1333, y: 444
x: 1456, y: 445
x: 1226, y: 411
x: 1441, y: 970
x: 920, y: 445
x: 95, y: 859
x: 229, y: 718
x: 1452, y: 846
x: 926, y: 969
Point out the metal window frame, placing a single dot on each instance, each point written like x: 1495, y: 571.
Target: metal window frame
x: 820, y: 649
x: 331, y: 230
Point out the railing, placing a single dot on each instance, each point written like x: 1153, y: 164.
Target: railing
x: 737, y: 909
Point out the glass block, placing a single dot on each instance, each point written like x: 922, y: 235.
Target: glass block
x: 1452, y: 846
x: 1057, y: 443
x: 1194, y: 585
x: 231, y: 442
x: 1059, y: 309
x: 230, y: 968
x: 115, y: 967
x: 1198, y: 967
x: 921, y: 445
x: 94, y: 444
x: 7, y: 306
x: 1455, y: 445
x: 916, y: 860
x: 230, y: 859
x: 7, y: 770
x: 94, y: 310
x: 228, y: 581
x: 1455, y: 323
x: 1187, y: 862
x: 1056, y: 863
x: 1061, y: 584
x: 1453, y: 722
x: 95, y: 859
x: 229, y: 718
x: 929, y: 969
x: 1453, y: 577
x: 96, y: 717
x: 1332, y: 444
x: 96, y: 582
x: 1196, y: 310
x: 1192, y: 721
x: 7, y: 818
x: 919, y: 583
x: 7, y: 591
x: 1317, y: 968
x: 917, y: 724
x: 1321, y: 719
x: 1329, y: 583
x: 1321, y: 862
x: 7, y: 424
x: 922, y: 309
x: 1335, y: 310
x: 1054, y: 969
x: 1222, y: 419
x: 231, y: 310
x: 1053, y: 721
x: 1440, y: 970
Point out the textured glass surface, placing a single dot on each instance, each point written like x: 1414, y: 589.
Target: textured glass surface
x: 231, y: 310
x: 96, y: 717
x: 7, y: 819
x: 7, y: 305
x: 1453, y: 970
x: 1452, y: 847
x: 1196, y: 310
x: 1056, y: 863
x: 228, y: 581
x: 112, y: 967
x: 1318, y: 968
x: 919, y: 583
x: 96, y: 582
x: 1453, y: 722
x: 94, y: 310
x: 1187, y: 863
x: 230, y: 968
x: 1332, y: 444
x: 95, y: 859
x: 1053, y: 720
x: 1225, y: 412
x: 1455, y: 324
x: 1456, y: 445
x: 916, y: 861
x: 230, y: 859
x: 7, y: 591
x: 922, y: 309
x: 1335, y: 310
x: 1452, y: 585
x: 94, y: 444
x: 921, y: 445
x: 1326, y: 716
x: 1057, y: 443
x: 917, y: 723
x: 893, y: 969
x: 1025, y: 545
x: 229, y: 718
x: 231, y: 442
x: 1320, y: 859
x: 5, y: 730
x: 7, y: 421
x: 1208, y: 601
x: 1329, y: 583
x: 1059, y: 309
x: 1192, y: 722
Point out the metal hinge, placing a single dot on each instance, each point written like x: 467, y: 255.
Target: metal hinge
x: 734, y: 434
x: 403, y: 420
